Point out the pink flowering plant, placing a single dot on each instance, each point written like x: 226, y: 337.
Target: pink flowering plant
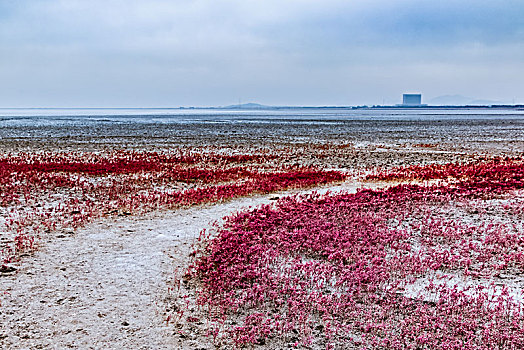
x: 413, y: 266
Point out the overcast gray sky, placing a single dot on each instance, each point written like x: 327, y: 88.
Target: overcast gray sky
x: 125, y: 53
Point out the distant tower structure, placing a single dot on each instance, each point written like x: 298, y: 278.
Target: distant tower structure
x: 412, y: 99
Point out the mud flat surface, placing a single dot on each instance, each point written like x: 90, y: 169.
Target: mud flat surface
x: 491, y: 131
x: 106, y: 285
x: 103, y: 286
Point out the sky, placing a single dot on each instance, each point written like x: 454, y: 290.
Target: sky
x: 170, y: 53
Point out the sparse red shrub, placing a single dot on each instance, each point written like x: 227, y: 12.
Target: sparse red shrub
x: 352, y: 263
x: 41, y: 192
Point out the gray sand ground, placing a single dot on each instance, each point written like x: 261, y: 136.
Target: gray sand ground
x: 105, y: 285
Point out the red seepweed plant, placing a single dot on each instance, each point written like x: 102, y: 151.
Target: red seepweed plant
x: 408, y: 267
x: 43, y: 192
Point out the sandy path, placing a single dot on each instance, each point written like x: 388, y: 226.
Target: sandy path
x: 103, y: 286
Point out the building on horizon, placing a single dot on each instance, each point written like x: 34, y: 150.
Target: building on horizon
x: 412, y: 99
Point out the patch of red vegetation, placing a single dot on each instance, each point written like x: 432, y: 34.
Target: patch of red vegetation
x: 488, y: 170
x: 41, y: 192
x: 348, y: 263
x: 425, y: 145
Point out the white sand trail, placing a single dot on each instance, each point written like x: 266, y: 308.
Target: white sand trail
x: 103, y: 286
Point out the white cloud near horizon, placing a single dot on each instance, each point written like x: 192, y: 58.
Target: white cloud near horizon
x: 295, y: 52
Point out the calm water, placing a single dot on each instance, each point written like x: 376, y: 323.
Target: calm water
x: 28, y: 117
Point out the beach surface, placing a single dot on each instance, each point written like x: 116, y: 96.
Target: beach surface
x: 108, y: 284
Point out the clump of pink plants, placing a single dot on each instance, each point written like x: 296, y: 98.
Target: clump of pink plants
x: 43, y: 192
x: 487, y: 169
x: 407, y: 267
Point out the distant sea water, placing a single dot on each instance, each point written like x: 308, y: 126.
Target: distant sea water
x: 499, y: 128
x: 145, y: 115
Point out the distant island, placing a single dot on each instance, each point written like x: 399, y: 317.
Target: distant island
x: 247, y: 106
x: 459, y: 100
x: 474, y: 105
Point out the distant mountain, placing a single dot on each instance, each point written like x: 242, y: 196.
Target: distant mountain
x: 247, y: 106
x: 485, y: 102
x: 459, y: 100
x: 451, y: 100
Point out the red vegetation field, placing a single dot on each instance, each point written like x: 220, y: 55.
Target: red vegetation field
x: 43, y: 192
x: 408, y: 267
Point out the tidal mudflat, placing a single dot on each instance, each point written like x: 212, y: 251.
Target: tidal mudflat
x: 322, y: 229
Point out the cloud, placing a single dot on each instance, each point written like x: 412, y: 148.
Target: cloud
x: 121, y: 24
x: 212, y: 52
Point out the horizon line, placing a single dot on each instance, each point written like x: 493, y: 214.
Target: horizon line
x: 281, y: 106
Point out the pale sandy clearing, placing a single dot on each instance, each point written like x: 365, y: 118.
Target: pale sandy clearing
x: 104, y: 286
